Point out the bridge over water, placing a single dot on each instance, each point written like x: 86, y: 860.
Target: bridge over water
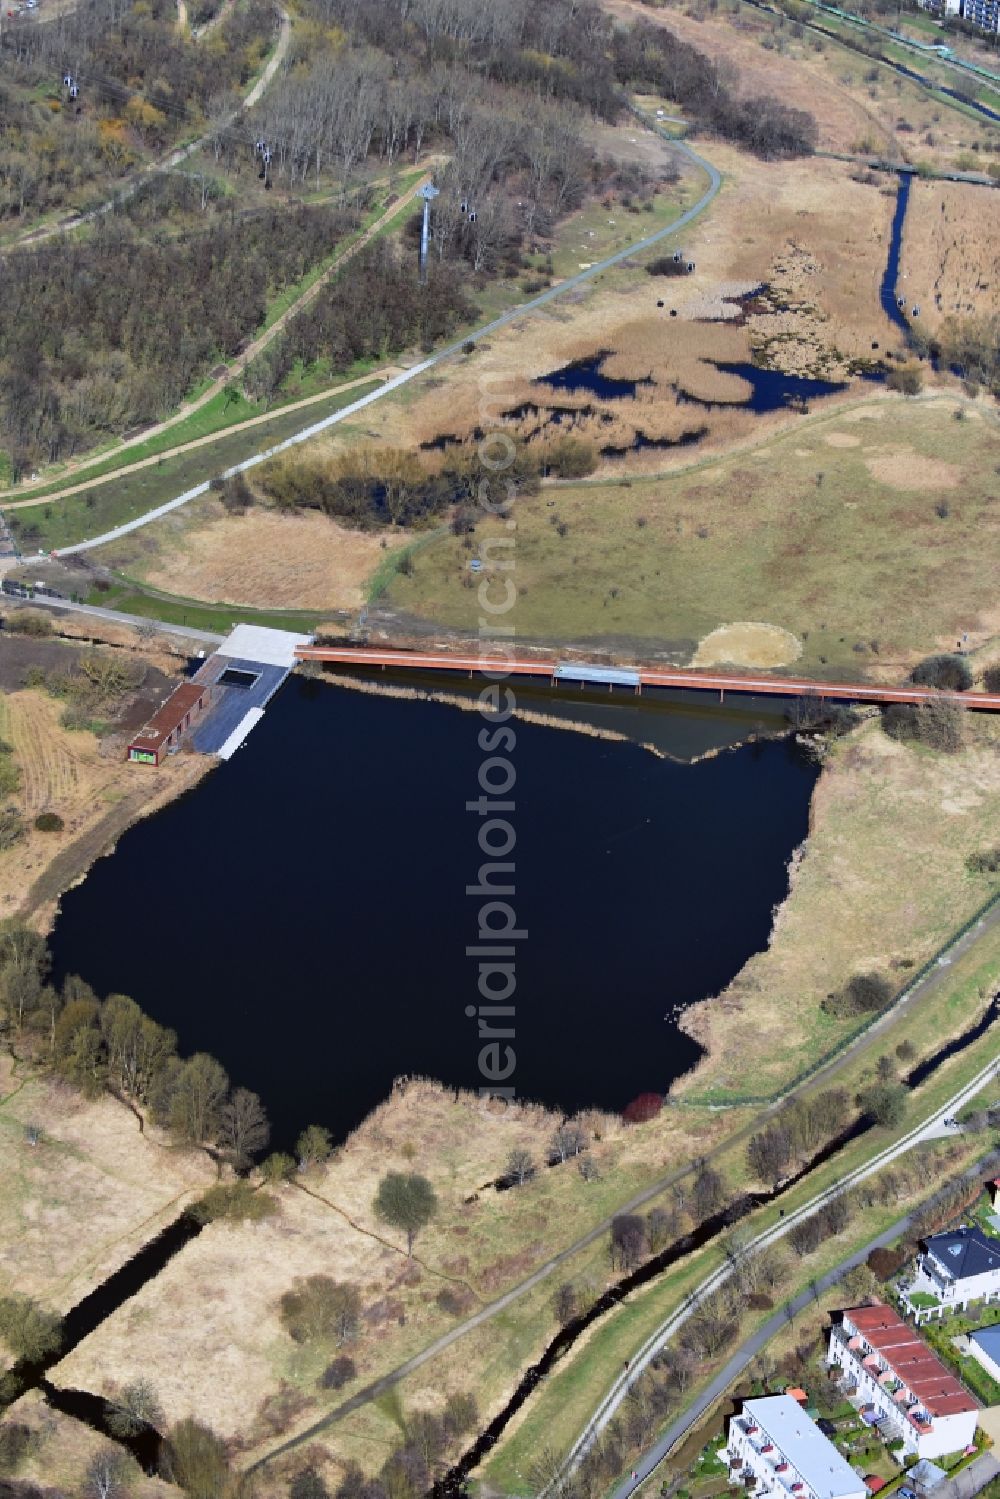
x: 637, y: 677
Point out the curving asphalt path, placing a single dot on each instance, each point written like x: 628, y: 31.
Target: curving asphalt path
x: 929, y: 1129
x: 450, y: 350
x: 749, y: 1350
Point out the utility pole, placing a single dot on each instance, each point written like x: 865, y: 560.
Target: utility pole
x: 428, y: 192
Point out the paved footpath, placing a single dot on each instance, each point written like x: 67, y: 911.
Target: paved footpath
x: 968, y: 1483
x: 187, y: 632
x: 415, y: 371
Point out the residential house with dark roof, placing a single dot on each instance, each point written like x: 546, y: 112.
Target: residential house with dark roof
x: 956, y: 1268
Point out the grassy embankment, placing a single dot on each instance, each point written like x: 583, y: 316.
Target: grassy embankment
x: 63, y: 522
x: 833, y: 531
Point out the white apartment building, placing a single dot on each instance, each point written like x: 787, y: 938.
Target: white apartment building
x: 901, y: 1385
x: 772, y: 1447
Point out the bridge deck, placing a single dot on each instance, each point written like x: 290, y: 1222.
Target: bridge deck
x: 708, y: 681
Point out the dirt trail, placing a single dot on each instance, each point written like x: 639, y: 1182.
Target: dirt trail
x: 130, y: 186
x: 201, y: 442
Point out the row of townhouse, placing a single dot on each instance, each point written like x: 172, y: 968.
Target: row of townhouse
x: 901, y: 1385
x: 775, y: 1451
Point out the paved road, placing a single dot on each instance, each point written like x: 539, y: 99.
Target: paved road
x: 394, y: 1376
x: 975, y: 1477
x: 971, y: 1479
x: 744, y: 1356
x: 927, y: 1130
x: 524, y: 309
x: 183, y: 447
x: 186, y: 632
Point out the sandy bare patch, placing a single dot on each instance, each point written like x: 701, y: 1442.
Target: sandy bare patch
x: 865, y: 414
x: 747, y: 643
x: 272, y: 561
x: 841, y: 440
x: 907, y: 469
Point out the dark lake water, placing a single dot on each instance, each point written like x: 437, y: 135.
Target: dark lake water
x: 302, y: 914
x: 770, y: 390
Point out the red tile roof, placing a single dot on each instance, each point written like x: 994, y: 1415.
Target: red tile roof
x: 910, y: 1359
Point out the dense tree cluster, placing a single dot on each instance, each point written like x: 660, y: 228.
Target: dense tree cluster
x: 375, y: 307
x: 112, y: 1045
x: 100, y: 334
x: 142, y: 84
x: 802, y: 1127
x: 653, y: 60
x: 410, y: 1470
x: 378, y: 487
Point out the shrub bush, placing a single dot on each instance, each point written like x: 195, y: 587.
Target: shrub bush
x: 950, y: 673
x: 339, y: 1373
x: 938, y: 725
x: 237, y: 1202
x: 49, y: 822
x: 28, y: 1330
x: 909, y: 380
x: 643, y: 1108
x: 29, y: 622
x: 11, y: 828
x: 864, y: 994
x: 569, y: 458
x: 666, y: 265
x: 985, y: 861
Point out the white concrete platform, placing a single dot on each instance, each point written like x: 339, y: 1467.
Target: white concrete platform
x: 256, y: 643
x: 247, y: 722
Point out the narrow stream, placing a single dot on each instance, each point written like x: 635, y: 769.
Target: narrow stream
x: 452, y: 1484
x: 887, y: 291
x: 88, y: 1315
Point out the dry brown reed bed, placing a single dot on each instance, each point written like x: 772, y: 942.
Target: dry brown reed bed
x: 950, y: 262
x: 598, y: 1124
